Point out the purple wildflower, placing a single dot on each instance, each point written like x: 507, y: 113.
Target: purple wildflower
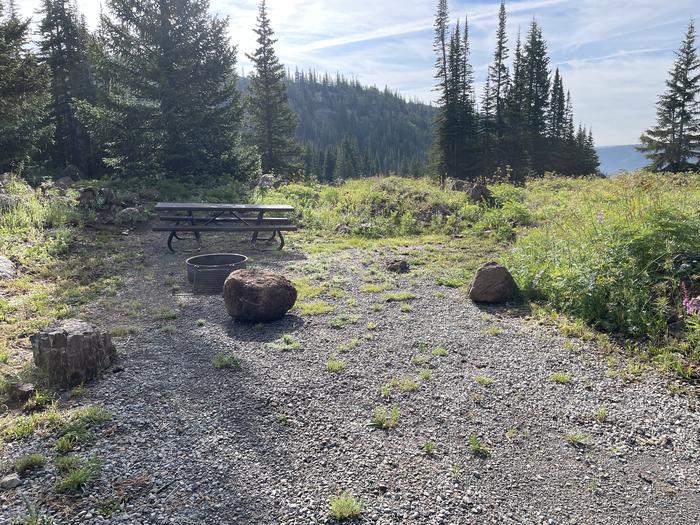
x: 600, y: 217
x: 691, y: 306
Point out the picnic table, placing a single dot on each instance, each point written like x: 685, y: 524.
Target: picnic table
x: 199, y: 217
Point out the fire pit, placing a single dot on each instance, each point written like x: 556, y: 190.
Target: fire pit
x: 207, y: 273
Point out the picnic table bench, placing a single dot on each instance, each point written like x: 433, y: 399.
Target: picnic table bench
x: 196, y: 218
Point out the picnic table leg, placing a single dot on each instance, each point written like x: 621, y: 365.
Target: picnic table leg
x: 170, y: 241
x: 281, y: 239
x: 255, y: 233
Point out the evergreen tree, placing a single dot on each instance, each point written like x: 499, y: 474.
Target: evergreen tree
x: 64, y: 41
x: 348, y: 164
x: 536, y: 100
x: 168, y: 105
x: 23, y: 95
x: 272, y: 122
x: 514, y: 142
x: 498, y: 75
x: 442, y: 124
x: 673, y: 144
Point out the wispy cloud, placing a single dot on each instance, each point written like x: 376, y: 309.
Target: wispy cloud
x: 614, y: 54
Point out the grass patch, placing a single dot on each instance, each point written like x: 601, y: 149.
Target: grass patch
x: 226, y: 360
x: 420, y: 359
x: 425, y: 374
x: 315, y: 308
x: 23, y: 426
x: 74, y: 436
x: 561, y: 378
x: 165, y: 314
x: 77, y: 479
x: 345, y: 507
x: 477, y: 448
x: 375, y: 287
x: 484, y: 380
x: 66, y: 464
x: 124, y: 330
x: 439, y: 351
x: 384, y: 418
x: 578, y: 440
x: 335, y: 366
x: 287, y: 343
x: 348, y: 345
x: 429, y: 448
x: 398, y: 297
x: 29, y: 462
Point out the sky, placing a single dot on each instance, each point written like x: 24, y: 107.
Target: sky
x: 614, y: 55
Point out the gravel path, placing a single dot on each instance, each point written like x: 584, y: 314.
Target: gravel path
x: 272, y: 442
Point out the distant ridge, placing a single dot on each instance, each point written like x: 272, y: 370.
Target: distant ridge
x: 614, y: 159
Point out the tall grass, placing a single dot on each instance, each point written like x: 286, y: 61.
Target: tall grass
x: 612, y: 252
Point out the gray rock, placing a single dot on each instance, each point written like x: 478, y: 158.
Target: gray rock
x: 129, y: 216
x: 258, y: 296
x: 72, y: 352
x: 87, y: 195
x: 493, y: 283
x: 7, y: 269
x: 398, y: 266
x: 268, y: 181
x: 21, y: 391
x: 109, y: 196
x: 10, y: 482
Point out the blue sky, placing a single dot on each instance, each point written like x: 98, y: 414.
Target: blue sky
x: 614, y: 54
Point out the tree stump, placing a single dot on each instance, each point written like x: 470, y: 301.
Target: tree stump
x: 72, y: 352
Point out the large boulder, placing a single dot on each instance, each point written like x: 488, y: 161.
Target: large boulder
x: 130, y: 216
x: 258, y: 296
x: 493, y: 283
x: 72, y: 352
x: 7, y: 269
x: 398, y: 266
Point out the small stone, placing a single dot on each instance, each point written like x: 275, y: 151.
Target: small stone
x: 10, y: 481
x: 398, y: 266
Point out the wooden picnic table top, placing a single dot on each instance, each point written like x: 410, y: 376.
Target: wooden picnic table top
x: 216, y: 207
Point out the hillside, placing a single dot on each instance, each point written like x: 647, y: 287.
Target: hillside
x: 614, y: 159
x: 389, y: 132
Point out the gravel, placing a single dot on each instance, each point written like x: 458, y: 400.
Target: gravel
x: 274, y: 441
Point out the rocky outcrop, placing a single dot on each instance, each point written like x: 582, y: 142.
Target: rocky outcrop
x: 479, y: 193
x: 72, y: 352
x: 493, y: 283
x: 258, y: 296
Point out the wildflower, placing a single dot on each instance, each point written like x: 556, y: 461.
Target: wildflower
x: 691, y: 306
x: 600, y: 217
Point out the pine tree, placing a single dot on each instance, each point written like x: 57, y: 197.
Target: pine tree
x: 23, y: 95
x: 64, y: 42
x: 498, y: 75
x: 168, y: 105
x: 514, y: 142
x: 272, y: 122
x: 536, y: 69
x: 673, y: 144
x: 440, y: 151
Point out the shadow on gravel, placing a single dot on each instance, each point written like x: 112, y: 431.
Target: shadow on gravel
x: 264, y: 333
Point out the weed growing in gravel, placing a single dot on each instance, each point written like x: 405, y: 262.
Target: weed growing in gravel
x: 593, y: 486
x: 335, y: 365
x: 66, y: 464
x: 477, y: 447
x: 384, y: 418
x: 23, y: 426
x: 37, y: 401
x: 201, y: 322
x: 33, y: 516
x: 91, y: 414
x: 375, y: 287
x: 425, y: 374
x: 420, y: 359
x: 476, y: 397
x: 450, y: 282
x: 336, y: 293
x: 340, y: 321
x: 578, y: 440
x: 512, y: 433
x: 560, y: 377
x: 385, y: 390
x: 484, y: 380
x: 123, y: 331
x: 456, y: 471
x: 429, y: 448
x: 165, y: 314
x: 348, y: 345
x: 226, y: 360
x: 107, y: 507
x: 371, y: 326
x: 169, y: 329
x: 76, y: 480
x: 492, y: 331
x: 397, y: 297
x: 73, y: 436
x: 378, y: 307
x: 286, y: 343
x: 315, y: 308
x: 405, y: 384
x: 345, y: 506
x: 29, y: 462
x: 601, y: 414
x: 439, y: 351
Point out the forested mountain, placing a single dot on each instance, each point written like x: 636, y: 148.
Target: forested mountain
x: 378, y: 130
x: 614, y: 159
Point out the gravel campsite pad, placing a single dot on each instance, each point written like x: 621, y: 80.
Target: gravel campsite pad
x: 500, y: 420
